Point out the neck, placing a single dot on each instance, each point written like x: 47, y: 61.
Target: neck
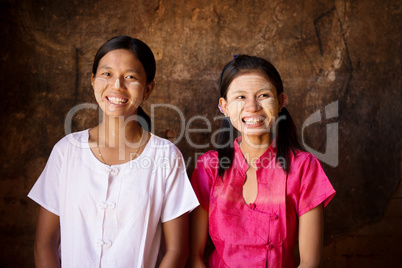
x: 115, y: 131
x: 253, y: 147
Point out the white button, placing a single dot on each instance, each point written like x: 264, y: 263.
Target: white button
x: 114, y: 171
x: 111, y: 205
x: 102, y: 205
x: 100, y: 243
x: 108, y: 243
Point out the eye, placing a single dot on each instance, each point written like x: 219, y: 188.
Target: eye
x: 131, y: 77
x: 265, y: 95
x: 240, y: 97
x: 105, y: 74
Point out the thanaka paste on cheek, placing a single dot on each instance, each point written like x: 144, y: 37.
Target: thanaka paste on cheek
x: 270, y: 107
x: 136, y: 85
x: 235, y: 108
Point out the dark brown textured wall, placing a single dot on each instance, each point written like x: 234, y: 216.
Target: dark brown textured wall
x: 326, y: 51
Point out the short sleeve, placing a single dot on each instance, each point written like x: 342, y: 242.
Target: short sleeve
x: 202, y: 182
x: 315, y: 187
x: 179, y: 196
x: 45, y: 191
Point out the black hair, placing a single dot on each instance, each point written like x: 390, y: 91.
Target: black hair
x: 144, y: 55
x: 284, y: 129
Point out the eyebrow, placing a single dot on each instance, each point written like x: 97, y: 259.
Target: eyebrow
x: 110, y: 68
x: 262, y: 89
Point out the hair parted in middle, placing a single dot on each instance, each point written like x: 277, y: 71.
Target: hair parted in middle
x: 286, y: 135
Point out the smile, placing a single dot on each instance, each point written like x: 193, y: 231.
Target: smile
x: 254, y: 120
x: 116, y: 100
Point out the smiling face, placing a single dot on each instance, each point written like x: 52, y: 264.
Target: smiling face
x: 252, y: 104
x: 120, y: 83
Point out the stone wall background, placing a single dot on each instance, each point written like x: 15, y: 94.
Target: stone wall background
x: 326, y: 51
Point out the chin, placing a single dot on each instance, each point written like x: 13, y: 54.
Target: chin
x: 256, y: 132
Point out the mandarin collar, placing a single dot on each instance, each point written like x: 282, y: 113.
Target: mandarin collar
x: 263, y: 160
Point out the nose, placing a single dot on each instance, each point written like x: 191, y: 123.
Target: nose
x: 251, y: 105
x: 117, y: 83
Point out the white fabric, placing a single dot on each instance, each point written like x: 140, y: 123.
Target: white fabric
x: 110, y: 216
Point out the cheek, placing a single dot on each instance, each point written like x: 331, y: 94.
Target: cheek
x: 136, y: 86
x: 270, y: 106
x: 99, y: 88
x: 235, y: 108
x: 137, y: 90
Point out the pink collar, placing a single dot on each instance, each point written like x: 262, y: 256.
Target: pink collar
x: 264, y: 160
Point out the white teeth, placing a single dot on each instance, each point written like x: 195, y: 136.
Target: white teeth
x: 116, y: 100
x: 253, y: 120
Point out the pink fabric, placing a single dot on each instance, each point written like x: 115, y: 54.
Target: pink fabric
x: 263, y: 233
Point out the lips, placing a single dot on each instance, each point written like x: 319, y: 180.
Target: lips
x: 116, y: 100
x: 253, y: 121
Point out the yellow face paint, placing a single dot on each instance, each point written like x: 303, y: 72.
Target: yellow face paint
x: 252, y: 104
x: 138, y: 87
x: 117, y: 83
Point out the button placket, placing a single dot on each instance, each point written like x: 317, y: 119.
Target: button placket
x: 251, y: 206
x: 111, y: 205
x: 106, y: 205
x: 108, y: 243
x: 102, y: 205
x: 114, y: 171
x: 273, y: 216
x: 100, y: 243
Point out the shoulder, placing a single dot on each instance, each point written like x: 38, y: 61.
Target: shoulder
x: 213, y: 154
x: 305, y: 165
x: 72, y: 140
x: 302, y: 157
x: 208, y: 157
x: 208, y: 161
x: 63, y: 150
x: 302, y: 162
x: 158, y: 145
x: 158, y: 141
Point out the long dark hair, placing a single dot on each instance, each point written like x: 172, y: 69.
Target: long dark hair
x: 143, y: 54
x: 285, y: 129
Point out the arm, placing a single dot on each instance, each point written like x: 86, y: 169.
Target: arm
x: 47, y: 240
x: 176, y: 239
x: 311, y: 232
x: 198, y: 237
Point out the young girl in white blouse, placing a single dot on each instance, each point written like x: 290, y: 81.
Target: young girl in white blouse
x: 107, y: 193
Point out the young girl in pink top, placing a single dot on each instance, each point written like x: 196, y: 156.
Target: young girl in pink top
x: 260, y: 192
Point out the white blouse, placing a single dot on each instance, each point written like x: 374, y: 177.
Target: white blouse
x: 110, y: 216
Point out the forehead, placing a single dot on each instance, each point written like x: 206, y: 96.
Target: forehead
x: 253, y: 81
x: 120, y: 58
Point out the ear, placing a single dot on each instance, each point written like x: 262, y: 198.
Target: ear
x: 92, y: 80
x: 149, y: 89
x: 280, y: 101
x: 224, y: 105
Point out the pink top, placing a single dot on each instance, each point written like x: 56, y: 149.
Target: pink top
x: 263, y: 233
